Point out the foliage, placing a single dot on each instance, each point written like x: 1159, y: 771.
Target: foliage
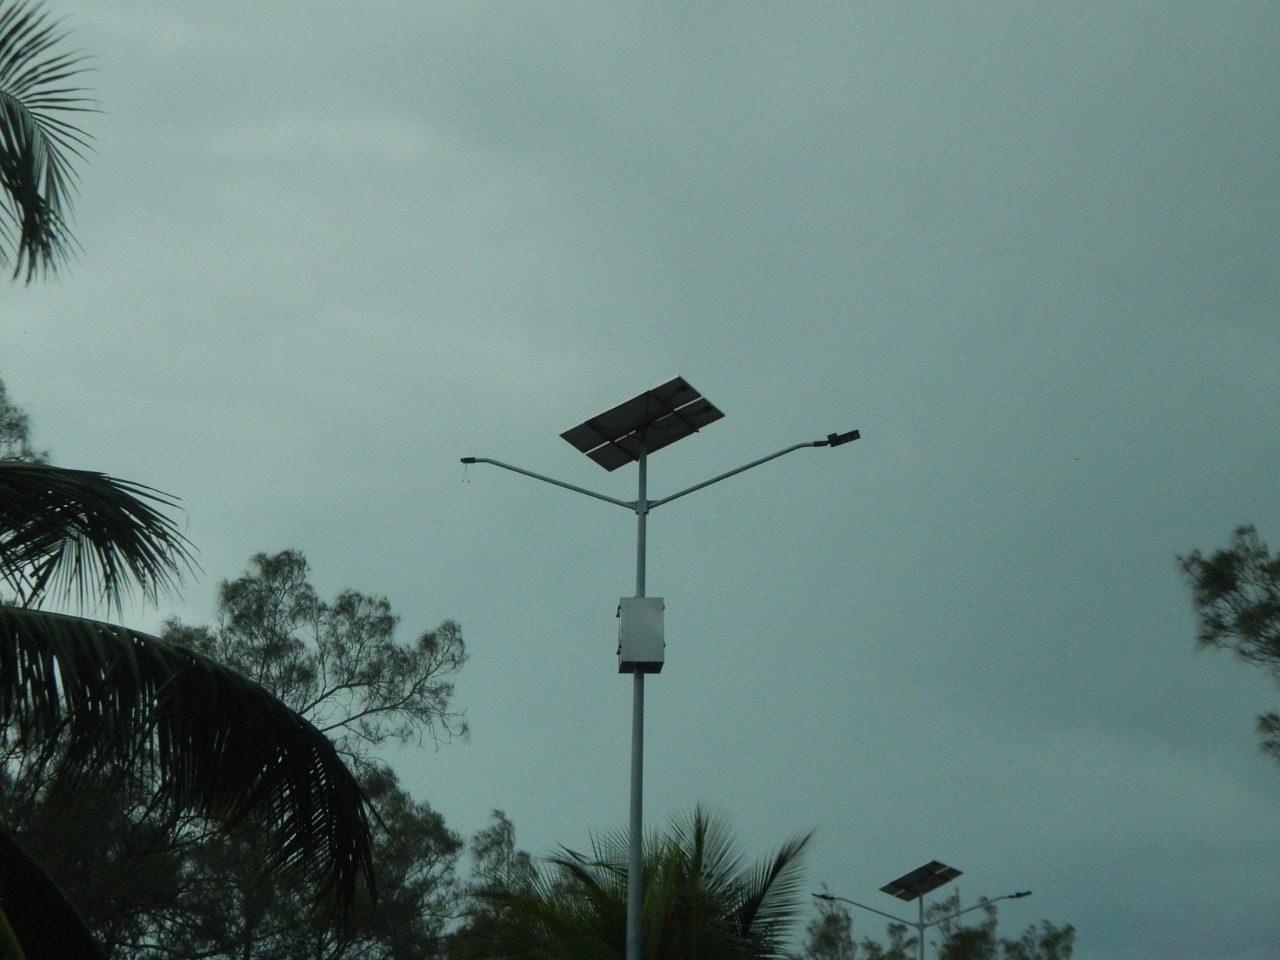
x: 1236, y: 595
x: 15, y: 432
x: 337, y: 663
x: 496, y: 865
x: 228, y: 907
x: 829, y: 936
x: 36, y: 143
x: 701, y: 899
x: 161, y: 883
x: 36, y: 919
x: 900, y: 946
x: 340, y: 665
x: 89, y: 697
x: 1044, y: 941
x: 89, y: 709
x: 83, y: 537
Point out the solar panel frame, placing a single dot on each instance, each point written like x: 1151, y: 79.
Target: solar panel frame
x: 921, y: 880
x: 652, y: 420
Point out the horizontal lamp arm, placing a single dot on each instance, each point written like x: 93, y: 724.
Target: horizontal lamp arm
x: 827, y: 896
x: 931, y: 923
x: 834, y: 440
x: 629, y: 504
x: 983, y: 903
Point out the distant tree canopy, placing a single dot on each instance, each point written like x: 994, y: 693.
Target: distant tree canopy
x: 1235, y: 592
x: 337, y: 662
x: 15, y: 432
x: 829, y: 936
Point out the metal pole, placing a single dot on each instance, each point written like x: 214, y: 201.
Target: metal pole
x: 642, y: 513
x: 920, y: 929
x: 635, y: 867
x: 635, y: 879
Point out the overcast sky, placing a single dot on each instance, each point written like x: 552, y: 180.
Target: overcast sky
x: 1029, y: 249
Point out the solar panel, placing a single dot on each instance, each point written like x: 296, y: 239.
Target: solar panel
x: 652, y: 420
x: 922, y: 880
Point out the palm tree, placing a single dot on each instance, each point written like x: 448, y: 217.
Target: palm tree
x: 89, y: 698
x: 37, y: 83
x: 701, y: 900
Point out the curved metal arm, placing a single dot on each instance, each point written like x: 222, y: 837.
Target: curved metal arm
x: 833, y: 440
x: 984, y: 903
x: 931, y: 923
x: 827, y: 896
x: 629, y: 504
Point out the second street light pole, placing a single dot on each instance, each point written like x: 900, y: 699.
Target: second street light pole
x: 921, y: 926
x: 625, y: 434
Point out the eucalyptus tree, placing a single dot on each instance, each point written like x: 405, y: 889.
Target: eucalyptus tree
x: 1236, y: 595
x: 15, y: 432
x: 341, y: 664
x: 38, y: 141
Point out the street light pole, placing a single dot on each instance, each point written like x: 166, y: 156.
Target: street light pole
x: 629, y: 433
x: 920, y: 925
x: 635, y: 864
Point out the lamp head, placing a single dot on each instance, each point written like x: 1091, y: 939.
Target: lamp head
x: 835, y: 439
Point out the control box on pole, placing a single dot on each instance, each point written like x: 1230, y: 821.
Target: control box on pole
x: 641, y: 646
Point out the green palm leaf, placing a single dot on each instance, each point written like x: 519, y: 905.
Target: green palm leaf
x: 214, y: 742
x: 36, y: 922
x: 36, y: 177
x: 772, y: 892
x: 701, y: 899
x: 82, y: 536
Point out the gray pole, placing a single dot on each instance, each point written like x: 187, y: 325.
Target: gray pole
x: 920, y: 929
x: 635, y: 880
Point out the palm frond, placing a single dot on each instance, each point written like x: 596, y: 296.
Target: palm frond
x: 701, y: 899
x: 214, y: 742
x: 83, y: 536
x: 36, y: 921
x: 715, y: 856
x: 36, y: 175
x: 10, y: 948
x: 772, y: 891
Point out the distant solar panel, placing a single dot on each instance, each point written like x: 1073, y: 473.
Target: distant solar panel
x: 922, y: 880
x: 653, y: 420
